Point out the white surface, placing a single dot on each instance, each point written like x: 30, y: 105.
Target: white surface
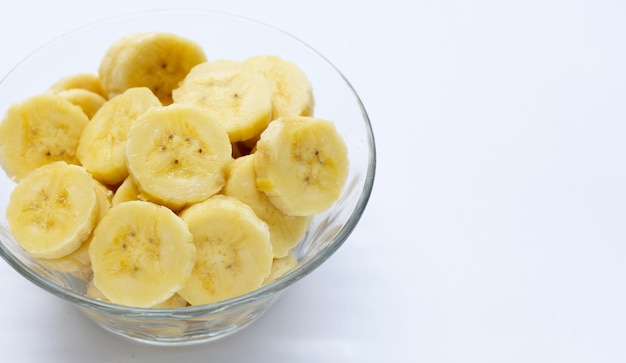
x: 495, y: 232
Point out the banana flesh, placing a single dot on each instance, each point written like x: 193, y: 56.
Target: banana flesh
x: 168, y: 180
x: 53, y: 210
x: 85, y: 81
x: 240, y: 99
x: 177, y: 155
x: 141, y: 254
x: 155, y: 60
x: 78, y: 262
x: 234, y: 254
x: 285, y: 231
x: 301, y: 164
x: 281, y: 266
x: 173, y: 302
x: 126, y: 192
x: 40, y: 130
x: 102, y: 145
x: 292, y: 93
x: 90, y: 102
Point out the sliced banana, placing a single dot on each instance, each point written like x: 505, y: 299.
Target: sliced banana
x: 126, y: 192
x: 85, y: 81
x: 239, y: 99
x: 71, y: 263
x: 78, y: 261
x: 75, y: 262
x: 102, y: 145
x: 88, y: 101
x: 285, y: 231
x: 281, y: 266
x: 37, y: 131
x: 173, y: 302
x: 53, y: 210
x: 130, y: 247
x: 156, y: 60
x: 234, y: 254
x: 177, y: 155
x: 301, y: 164
x: 141, y: 254
x: 292, y: 90
x: 104, y: 196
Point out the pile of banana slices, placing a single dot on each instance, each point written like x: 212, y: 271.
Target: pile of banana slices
x: 167, y: 180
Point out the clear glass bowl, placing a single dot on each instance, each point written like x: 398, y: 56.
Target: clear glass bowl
x: 223, y: 37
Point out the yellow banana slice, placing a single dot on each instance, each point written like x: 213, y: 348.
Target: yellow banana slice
x: 104, y: 196
x: 53, y: 210
x: 301, y: 164
x: 126, y: 192
x: 102, y: 145
x: 155, y: 60
x: 40, y: 130
x: 173, y: 302
x: 239, y: 99
x: 285, y: 231
x: 292, y: 90
x: 234, y: 254
x: 88, y: 101
x: 177, y: 155
x: 85, y: 81
x: 141, y: 254
x: 73, y: 262
x: 281, y: 266
x: 78, y: 261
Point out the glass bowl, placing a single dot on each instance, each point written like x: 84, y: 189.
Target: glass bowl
x: 222, y: 36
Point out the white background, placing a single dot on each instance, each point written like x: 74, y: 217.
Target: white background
x: 495, y: 232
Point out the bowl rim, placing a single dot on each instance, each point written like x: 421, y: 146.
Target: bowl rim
x: 278, y: 285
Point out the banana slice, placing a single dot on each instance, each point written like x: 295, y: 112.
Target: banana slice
x: 177, y: 155
x: 104, y: 196
x: 281, y: 266
x: 285, y: 231
x: 53, y: 210
x: 241, y: 100
x: 126, y: 192
x: 292, y: 90
x: 78, y: 261
x: 234, y: 254
x: 141, y: 254
x: 85, y: 81
x: 73, y: 262
x: 155, y: 60
x: 102, y: 145
x: 173, y: 302
x: 301, y: 164
x: 40, y: 130
x: 88, y: 101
